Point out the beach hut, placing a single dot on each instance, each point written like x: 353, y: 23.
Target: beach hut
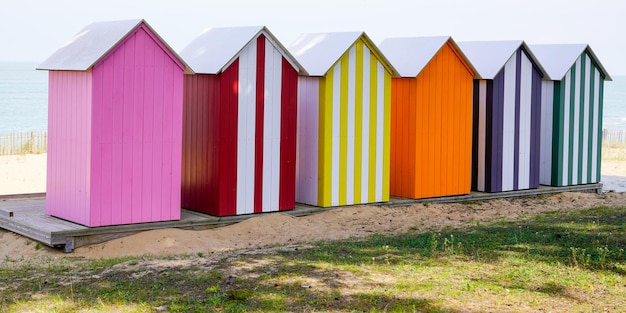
x: 507, y: 115
x: 114, y: 126
x: 343, y: 120
x: 239, y: 123
x: 431, y: 120
x: 571, y: 114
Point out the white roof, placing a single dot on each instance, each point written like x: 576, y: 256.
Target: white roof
x: 216, y: 48
x: 489, y: 57
x: 411, y: 55
x: 92, y: 43
x: 89, y: 45
x: 557, y: 59
x: 318, y: 52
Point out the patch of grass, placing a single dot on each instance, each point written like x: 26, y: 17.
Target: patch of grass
x: 572, y: 262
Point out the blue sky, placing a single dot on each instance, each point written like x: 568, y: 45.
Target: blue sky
x: 31, y: 30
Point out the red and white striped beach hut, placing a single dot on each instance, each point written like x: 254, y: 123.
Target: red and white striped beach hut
x: 114, y: 126
x: 239, y: 147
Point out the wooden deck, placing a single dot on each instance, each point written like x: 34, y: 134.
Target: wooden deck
x: 25, y: 215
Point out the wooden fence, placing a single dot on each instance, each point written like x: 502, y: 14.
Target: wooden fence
x: 613, y: 136
x: 24, y: 143
x: 37, y: 141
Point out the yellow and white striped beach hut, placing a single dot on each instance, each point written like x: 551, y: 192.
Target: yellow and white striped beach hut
x: 343, y: 120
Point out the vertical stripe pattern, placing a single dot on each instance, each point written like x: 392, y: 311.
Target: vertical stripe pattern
x: 507, y: 127
x: 573, y: 126
x: 251, y: 135
x: 352, y: 138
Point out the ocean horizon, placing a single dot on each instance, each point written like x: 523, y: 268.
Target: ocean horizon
x: 24, y: 99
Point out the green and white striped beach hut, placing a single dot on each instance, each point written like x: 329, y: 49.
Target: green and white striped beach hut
x: 571, y: 114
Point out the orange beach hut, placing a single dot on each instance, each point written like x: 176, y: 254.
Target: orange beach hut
x: 431, y: 120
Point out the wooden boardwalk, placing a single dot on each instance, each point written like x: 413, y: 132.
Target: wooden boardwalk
x: 26, y: 216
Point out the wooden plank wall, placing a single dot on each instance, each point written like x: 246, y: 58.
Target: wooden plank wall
x: 308, y: 156
x: 431, y: 142
x: 353, y: 146
x: 68, y: 185
x: 249, y: 128
x: 573, y: 126
x: 137, y: 133
x: 507, y: 122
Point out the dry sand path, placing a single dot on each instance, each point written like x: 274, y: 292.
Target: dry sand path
x: 27, y: 175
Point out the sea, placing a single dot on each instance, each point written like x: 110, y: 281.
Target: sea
x: 24, y: 99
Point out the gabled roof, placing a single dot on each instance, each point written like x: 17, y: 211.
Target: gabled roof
x: 489, y: 57
x: 557, y: 59
x: 216, y: 48
x: 92, y: 43
x: 411, y: 55
x: 318, y: 52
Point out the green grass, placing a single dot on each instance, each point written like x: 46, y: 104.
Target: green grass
x: 553, y: 262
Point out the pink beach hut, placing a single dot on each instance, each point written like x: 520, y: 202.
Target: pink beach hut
x: 114, y: 126
x: 239, y: 147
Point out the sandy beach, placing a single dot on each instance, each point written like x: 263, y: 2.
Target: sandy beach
x: 20, y: 174
x: 26, y: 174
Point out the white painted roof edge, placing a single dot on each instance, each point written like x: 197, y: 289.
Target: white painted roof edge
x: 584, y: 48
x: 290, y: 58
x: 386, y: 62
x: 519, y: 44
x: 137, y: 23
x: 543, y: 71
x: 260, y: 30
x: 318, y: 65
x: 408, y: 65
x: 465, y: 58
x: 445, y: 39
x: 187, y: 69
x: 607, y: 77
x: 92, y: 60
x: 357, y: 35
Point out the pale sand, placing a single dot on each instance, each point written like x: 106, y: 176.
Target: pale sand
x: 282, y: 229
x: 20, y: 174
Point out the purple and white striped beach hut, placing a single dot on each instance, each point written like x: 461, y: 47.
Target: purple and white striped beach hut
x: 507, y: 115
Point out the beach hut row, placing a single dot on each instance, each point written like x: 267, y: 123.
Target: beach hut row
x: 237, y: 123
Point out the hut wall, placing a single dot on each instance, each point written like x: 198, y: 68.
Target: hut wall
x: 431, y: 141
x: 575, y: 132
x: 245, y: 121
x: 136, y: 133
x: 68, y: 192
x: 308, y: 145
x: 548, y: 102
x: 353, y: 134
x: 200, y: 127
x: 507, y: 120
